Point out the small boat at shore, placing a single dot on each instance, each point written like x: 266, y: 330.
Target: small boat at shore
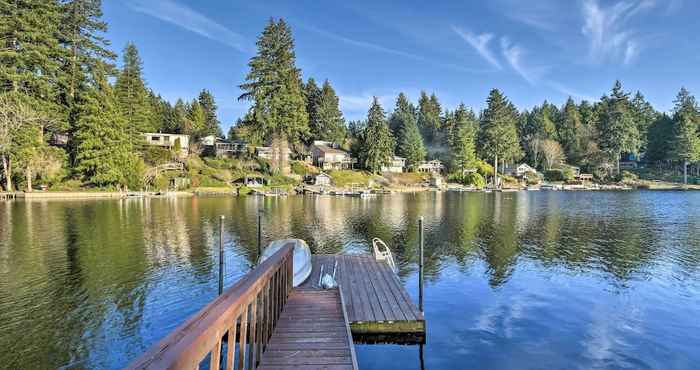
x: 302, y: 258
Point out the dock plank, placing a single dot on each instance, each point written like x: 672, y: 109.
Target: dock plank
x: 312, y: 333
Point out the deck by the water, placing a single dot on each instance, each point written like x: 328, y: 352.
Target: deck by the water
x: 312, y: 333
x: 376, y: 302
x: 262, y: 322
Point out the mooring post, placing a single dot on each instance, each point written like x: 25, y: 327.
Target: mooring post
x: 221, y: 255
x: 420, y: 264
x: 259, y: 233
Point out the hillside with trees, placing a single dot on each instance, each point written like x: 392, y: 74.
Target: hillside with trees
x: 69, y: 115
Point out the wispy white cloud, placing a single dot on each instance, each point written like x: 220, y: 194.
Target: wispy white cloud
x: 191, y: 20
x: 606, y: 29
x: 565, y: 90
x: 514, y: 55
x: 480, y: 43
x: 386, y: 50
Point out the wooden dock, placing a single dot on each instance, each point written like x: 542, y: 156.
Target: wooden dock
x: 376, y: 302
x: 312, y: 333
x: 262, y: 322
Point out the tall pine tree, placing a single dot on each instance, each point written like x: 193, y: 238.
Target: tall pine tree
x: 104, y: 152
x: 570, y: 131
x: 378, y: 151
x: 463, y: 138
x: 686, y: 123
x: 132, y: 96
x: 429, y: 121
x: 273, y: 85
x: 404, y: 128
x: 644, y: 115
x: 498, y: 135
x: 211, y: 121
x: 331, y: 124
x: 618, y: 132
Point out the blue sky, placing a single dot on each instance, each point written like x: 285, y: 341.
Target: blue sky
x: 531, y: 50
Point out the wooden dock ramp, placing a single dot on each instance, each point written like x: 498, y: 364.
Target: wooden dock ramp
x: 312, y: 333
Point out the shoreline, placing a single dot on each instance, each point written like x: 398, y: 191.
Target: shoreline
x: 212, y: 192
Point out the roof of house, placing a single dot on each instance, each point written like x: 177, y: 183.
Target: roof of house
x: 329, y: 150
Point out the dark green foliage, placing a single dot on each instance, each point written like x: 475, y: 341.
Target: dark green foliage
x: 404, y: 128
x: 378, y: 150
x: 104, y: 152
x: 463, y: 138
x: 686, y: 120
x: 559, y: 175
x: 328, y: 124
x: 312, y: 97
x: 570, y: 131
x: 660, y: 139
x: 273, y: 85
x: 498, y: 136
x: 429, y: 121
x: 617, y: 129
x: 644, y: 115
x: 211, y: 122
x: 132, y: 96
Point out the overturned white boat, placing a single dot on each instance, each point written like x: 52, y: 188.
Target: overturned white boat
x: 301, y: 261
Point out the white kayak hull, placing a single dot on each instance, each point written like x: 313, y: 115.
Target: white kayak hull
x: 301, y: 263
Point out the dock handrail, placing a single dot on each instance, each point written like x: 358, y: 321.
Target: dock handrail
x: 252, y: 307
x: 383, y: 255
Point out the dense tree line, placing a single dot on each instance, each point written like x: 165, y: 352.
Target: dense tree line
x: 55, y: 80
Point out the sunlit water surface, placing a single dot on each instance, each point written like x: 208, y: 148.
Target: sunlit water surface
x: 546, y: 280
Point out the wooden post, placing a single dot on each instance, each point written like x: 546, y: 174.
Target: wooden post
x: 420, y: 264
x: 259, y: 234
x: 221, y: 255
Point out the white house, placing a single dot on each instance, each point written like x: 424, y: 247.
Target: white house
x: 519, y: 170
x: 266, y: 152
x: 397, y: 165
x: 169, y: 141
x: 221, y: 147
x: 434, y: 166
x: 327, y: 157
x: 322, y: 179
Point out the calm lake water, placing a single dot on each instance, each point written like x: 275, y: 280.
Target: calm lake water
x: 546, y: 280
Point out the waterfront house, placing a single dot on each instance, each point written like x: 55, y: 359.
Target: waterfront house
x: 434, y: 166
x: 327, y: 156
x: 397, y: 165
x: 519, y: 171
x: 169, y: 141
x: 220, y: 147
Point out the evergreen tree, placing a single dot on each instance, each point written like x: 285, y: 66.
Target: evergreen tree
x: 686, y: 121
x: 132, y: 96
x: 195, y: 122
x: 211, y: 122
x: 618, y: 132
x: 31, y: 52
x: 660, y: 140
x: 498, y: 135
x: 405, y: 130
x: 274, y: 86
x: 570, y: 131
x: 588, y: 114
x: 378, y: 151
x: 81, y: 34
x: 643, y: 115
x: 429, y: 121
x: 312, y: 96
x: 463, y: 138
x: 104, y: 152
x: 331, y: 124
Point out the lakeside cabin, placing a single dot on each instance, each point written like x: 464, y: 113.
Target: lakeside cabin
x: 169, y: 141
x: 327, y: 156
x: 397, y: 165
x: 519, y: 171
x: 222, y: 148
x: 322, y: 179
x: 435, y: 167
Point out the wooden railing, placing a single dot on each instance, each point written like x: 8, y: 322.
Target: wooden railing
x: 235, y: 328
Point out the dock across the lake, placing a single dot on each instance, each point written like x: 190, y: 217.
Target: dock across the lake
x: 262, y: 322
